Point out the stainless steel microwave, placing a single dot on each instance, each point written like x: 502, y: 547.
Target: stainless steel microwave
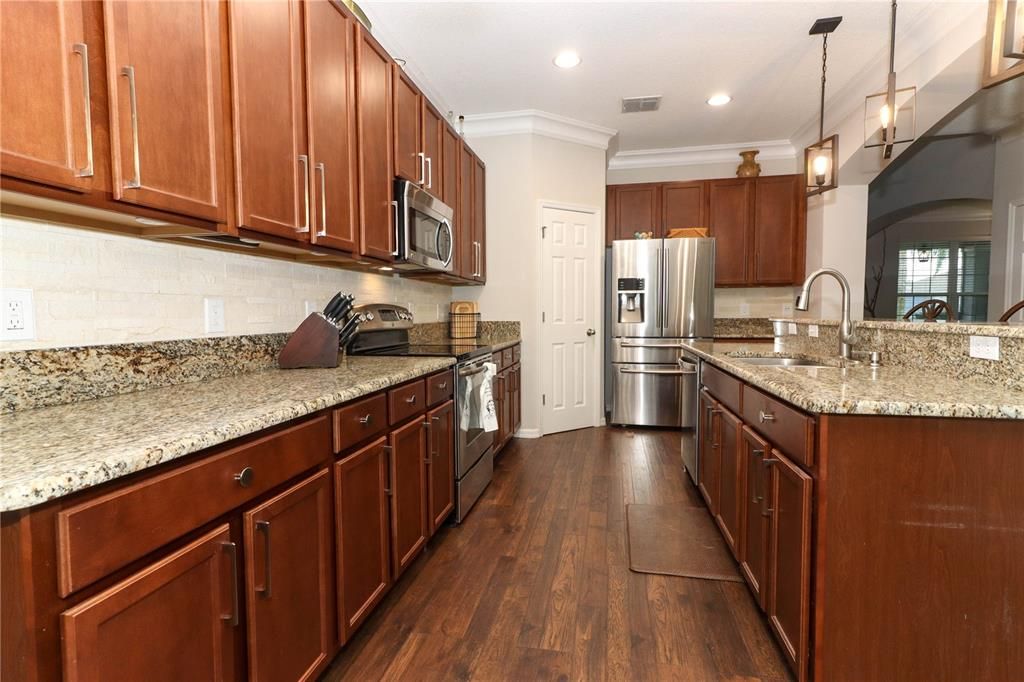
x: 423, y: 229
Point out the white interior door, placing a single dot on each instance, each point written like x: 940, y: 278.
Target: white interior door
x: 571, y: 291
x: 1015, y: 260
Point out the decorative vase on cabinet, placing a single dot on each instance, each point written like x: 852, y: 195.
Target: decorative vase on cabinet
x: 749, y: 168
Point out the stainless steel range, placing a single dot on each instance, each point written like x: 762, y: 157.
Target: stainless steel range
x: 386, y: 332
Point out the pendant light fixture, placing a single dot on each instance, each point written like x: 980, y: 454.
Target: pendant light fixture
x: 820, y: 171
x: 882, y: 109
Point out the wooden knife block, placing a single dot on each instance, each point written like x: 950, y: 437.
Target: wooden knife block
x: 313, y: 344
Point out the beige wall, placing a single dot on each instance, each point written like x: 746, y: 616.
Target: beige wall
x: 95, y: 288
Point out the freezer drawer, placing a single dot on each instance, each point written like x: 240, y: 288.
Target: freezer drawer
x: 651, y: 395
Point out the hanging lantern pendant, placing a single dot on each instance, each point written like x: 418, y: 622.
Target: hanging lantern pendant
x: 820, y: 170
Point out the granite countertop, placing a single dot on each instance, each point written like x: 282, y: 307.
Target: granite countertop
x: 499, y: 342
x: 51, y: 452
x: 886, y: 390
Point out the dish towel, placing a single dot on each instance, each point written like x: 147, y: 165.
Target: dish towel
x: 489, y: 416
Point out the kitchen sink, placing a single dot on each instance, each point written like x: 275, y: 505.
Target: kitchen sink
x: 770, y: 361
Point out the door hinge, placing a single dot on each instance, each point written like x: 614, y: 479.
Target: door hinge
x: 543, y: 316
x: 543, y: 399
x: 543, y: 231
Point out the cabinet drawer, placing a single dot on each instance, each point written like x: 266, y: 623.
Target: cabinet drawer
x: 789, y: 429
x: 99, y: 536
x: 517, y: 353
x: 724, y: 387
x: 405, y: 401
x: 439, y: 388
x: 360, y: 421
x: 506, y: 358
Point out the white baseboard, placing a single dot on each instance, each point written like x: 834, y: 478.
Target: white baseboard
x: 528, y: 433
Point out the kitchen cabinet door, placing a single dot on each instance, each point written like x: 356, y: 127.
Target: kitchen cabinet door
x: 409, y: 525
x: 331, y: 121
x: 465, y: 212
x: 272, y: 168
x: 288, y: 582
x: 173, y: 620
x: 167, y: 105
x: 729, y: 495
x: 442, y: 464
x: 790, y: 559
x: 730, y: 204
x: 637, y: 209
x: 433, y: 129
x: 361, y: 524
x: 410, y: 162
x: 710, y: 464
x: 480, y: 218
x: 517, y: 399
x: 374, y: 145
x: 754, y: 491
x: 448, y: 170
x: 683, y: 204
x: 45, y: 73
x: 779, y: 231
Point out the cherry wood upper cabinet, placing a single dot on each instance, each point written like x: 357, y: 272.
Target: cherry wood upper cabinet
x: 374, y: 143
x: 331, y: 122
x: 683, y: 204
x: 433, y: 129
x: 272, y: 171
x: 46, y: 133
x: 636, y: 209
x: 448, y: 171
x: 288, y: 582
x: 361, y: 522
x: 185, y: 607
x: 480, y: 218
x: 441, y: 440
x: 409, y: 526
x: 464, y: 214
x: 410, y: 161
x: 730, y: 207
x: 779, y: 240
x: 167, y: 105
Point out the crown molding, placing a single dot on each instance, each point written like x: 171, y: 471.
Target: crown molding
x: 700, y: 155
x: 534, y: 122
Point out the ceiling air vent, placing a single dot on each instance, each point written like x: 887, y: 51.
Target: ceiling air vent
x: 635, y: 105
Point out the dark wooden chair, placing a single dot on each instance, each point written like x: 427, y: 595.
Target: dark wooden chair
x: 932, y: 308
x: 1013, y: 310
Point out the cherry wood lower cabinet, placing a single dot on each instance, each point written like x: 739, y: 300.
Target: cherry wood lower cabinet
x: 408, y: 492
x: 710, y: 451
x: 362, y: 533
x: 173, y: 620
x: 729, y: 503
x: 289, y: 583
x: 508, y: 401
x: 754, y: 538
x: 441, y: 467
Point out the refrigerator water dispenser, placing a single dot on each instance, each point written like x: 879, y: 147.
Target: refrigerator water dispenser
x: 631, y: 300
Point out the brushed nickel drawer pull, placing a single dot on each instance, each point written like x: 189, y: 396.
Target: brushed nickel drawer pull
x: 245, y: 476
x: 232, y: 617
x: 83, y: 50
x: 264, y: 527
x: 443, y: 385
x: 304, y: 160
x: 322, y: 232
x: 763, y: 416
x: 365, y: 419
x: 411, y: 399
x: 136, y: 181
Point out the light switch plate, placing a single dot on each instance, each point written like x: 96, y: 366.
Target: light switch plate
x: 792, y: 329
x: 19, y: 318
x: 213, y: 309
x: 812, y: 330
x: 985, y: 347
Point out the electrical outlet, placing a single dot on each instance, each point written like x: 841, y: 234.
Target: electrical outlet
x: 744, y: 309
x: 812, y: 330
x: 19, y: 320
x: 787, y: 308
x: 311, y: 307
x: 792, y: 329
x: 985, y: 347
x: 213, y: 310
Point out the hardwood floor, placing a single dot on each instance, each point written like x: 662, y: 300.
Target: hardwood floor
x: 536, y: 585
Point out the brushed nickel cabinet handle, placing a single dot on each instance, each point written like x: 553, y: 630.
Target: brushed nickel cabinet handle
x: 322, y: 232
x: 443, y: 385
x: 245, y: 476
x: 304, y: 160
x: 763, y: 416
x: 136, y: 182
x: 436, y: 419
x: 411, y: 399
x: 768, y: 512
x: 423, y: 168
x: 769, y: 462
x: 430, y: 172
x: 264, y: 527
x: 365, y: 419
x: 232, y: 617
x: 83, y: 50
x: 758, y: 496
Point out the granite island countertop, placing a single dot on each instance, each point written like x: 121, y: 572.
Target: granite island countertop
x: 885, y: 390
x: 51, y: 452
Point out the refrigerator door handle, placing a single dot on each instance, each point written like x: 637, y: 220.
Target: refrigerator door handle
x: 660, y: 303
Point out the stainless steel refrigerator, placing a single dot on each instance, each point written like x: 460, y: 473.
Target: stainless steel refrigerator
x: 661, y: 292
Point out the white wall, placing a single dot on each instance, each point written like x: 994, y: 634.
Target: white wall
x: 1006, y: 285
x: 97, y: 288
x: 522, y: 171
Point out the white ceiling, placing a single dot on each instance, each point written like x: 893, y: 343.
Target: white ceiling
x: 485, y: 57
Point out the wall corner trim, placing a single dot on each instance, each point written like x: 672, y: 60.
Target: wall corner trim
x: 700, y: 155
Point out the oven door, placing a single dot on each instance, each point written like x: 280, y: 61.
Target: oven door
x: 425, y: 228
x: 473, y: 441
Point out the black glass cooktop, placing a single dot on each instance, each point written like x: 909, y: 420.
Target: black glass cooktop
x: 459, y: 351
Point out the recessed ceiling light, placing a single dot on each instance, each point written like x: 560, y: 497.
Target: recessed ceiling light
x: 719, y: 100
x: 567, y: 59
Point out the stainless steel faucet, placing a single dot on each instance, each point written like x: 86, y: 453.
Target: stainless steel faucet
x: 846, y: 336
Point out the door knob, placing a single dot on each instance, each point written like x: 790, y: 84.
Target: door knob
x: 590, y: 332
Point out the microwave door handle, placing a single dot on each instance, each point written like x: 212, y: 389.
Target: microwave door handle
x: 398, y: 247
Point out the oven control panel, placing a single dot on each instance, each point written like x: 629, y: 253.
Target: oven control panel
x: 384, y: 316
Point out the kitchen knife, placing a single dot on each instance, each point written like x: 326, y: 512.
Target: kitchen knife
x: 335, y: 300
x: 349, y: 330
x: 344, y: 309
